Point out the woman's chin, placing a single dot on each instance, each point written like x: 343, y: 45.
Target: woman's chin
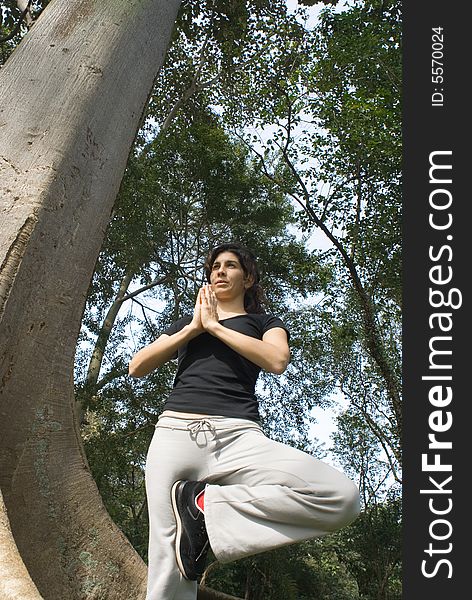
x: 220, y: 294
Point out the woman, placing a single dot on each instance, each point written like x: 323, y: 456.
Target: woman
x: 213, y: 479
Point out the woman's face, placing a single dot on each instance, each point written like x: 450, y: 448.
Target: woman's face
x: 227, y: 277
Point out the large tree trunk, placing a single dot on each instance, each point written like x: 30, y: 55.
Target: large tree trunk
x: 71, y: 97
x: 15, y: 582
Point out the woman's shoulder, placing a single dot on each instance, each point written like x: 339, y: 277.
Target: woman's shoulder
x: 262, y: 317
x: 268, y: 321
x: 178, y: 325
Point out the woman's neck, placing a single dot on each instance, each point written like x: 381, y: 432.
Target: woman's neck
x: 230, y: 309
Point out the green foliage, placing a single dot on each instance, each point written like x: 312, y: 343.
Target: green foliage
x: 12, y: 27
x: 203, y: 170
x: 214, y: 44
x: 360, y: 562
x: 260, y: 129
x: 118, y: 428
x: 371, y: 549
x: 358, y: 78
x: 187, y: 191
x: 300, y: 572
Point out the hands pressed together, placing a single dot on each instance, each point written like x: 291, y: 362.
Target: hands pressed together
x: 205, y: 314
x: 271, y: 353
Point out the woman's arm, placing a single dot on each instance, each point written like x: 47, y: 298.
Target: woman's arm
x: 271, y: 353
x: 159, y: 352
x: 163, y: 349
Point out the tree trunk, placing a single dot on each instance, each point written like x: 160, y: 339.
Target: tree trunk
x: 96, y: 360
x: 205, y: 593
x: 15, y: 582
x: 71, y: 98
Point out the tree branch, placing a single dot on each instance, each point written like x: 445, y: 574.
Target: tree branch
x: 374, y: 344
x: 16, y: 29
x: 205, y: 593
x: 154, y: 283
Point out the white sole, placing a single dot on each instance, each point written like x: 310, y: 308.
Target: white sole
x: 178, y: 534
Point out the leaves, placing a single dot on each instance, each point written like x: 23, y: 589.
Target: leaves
x: 262, y: 130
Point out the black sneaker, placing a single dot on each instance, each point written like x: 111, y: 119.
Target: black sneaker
x: 191, y: 542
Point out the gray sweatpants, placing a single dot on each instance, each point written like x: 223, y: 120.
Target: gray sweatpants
x: 262, y: 494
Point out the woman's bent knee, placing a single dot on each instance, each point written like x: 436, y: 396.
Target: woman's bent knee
x: 349, y: 504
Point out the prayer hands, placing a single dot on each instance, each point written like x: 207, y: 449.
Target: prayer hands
x: 209, y: 312
x: 197, y: 321
x: 205, y: 314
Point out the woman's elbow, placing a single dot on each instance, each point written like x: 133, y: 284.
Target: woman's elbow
x: 279, y: 365
x: 134, y: 369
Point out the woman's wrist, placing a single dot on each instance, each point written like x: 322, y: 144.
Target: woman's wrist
x: 213, y: 327
x: 192, y: 330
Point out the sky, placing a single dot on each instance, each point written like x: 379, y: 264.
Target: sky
x: 326, y: 418
x: 326, y: 424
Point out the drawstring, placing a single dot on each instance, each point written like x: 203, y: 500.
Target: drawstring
x: 199, y: 425
x: 203, y: 425
x: 196, y: 426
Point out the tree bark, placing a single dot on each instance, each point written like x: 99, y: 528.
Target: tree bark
x: 71, y: 98
x: 205, y: 593
x: 15, y: 582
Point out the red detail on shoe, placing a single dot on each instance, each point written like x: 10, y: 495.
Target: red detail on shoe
x: 200, y: 501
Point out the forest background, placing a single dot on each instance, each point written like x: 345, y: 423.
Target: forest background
x: 280, y: 126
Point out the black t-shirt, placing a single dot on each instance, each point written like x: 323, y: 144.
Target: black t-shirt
x: 212, y: 378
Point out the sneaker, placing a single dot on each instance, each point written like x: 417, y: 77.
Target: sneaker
x: 191, y: 542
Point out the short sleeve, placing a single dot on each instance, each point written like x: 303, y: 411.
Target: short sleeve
x: 270, y: 322
x: 175, y: 327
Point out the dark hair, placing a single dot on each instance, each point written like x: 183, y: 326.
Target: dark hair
x: 254, y: 297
